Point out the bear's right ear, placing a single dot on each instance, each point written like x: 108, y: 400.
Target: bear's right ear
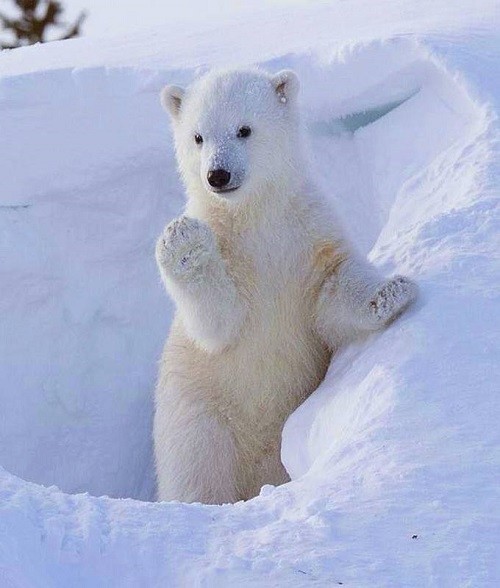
x: 286, y: 85
x: 171, y: 100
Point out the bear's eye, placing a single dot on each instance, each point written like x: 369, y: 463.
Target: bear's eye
x: 198, y: 139
x: 244, y: 132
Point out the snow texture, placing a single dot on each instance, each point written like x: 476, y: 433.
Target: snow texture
x: 394, y: 460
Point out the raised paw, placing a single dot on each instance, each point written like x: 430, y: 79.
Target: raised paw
x: 185, y: 247
x: 391, y: 299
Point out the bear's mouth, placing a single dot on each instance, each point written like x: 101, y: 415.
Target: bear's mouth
x: 224, y: 190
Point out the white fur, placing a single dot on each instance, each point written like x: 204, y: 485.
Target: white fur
x: 265, y: 284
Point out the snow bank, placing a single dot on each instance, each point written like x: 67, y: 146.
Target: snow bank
x: 400, y: 439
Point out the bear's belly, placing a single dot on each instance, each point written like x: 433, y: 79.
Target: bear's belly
x: 262, y: 382
x: 255, y: 384
x: 273, y: 368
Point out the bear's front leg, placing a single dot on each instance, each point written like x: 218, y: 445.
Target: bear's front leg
x: 194, y: 274
x: 355, y: 299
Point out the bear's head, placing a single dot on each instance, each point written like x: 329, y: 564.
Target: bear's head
x: 235, y: 132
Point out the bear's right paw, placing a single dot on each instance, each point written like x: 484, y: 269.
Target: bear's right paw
x: 185, y: 247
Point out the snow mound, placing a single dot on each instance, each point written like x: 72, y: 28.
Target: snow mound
x: 398, y: 442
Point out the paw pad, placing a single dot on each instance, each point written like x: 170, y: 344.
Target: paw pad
x: 185, y: 246
x: 392, y: 298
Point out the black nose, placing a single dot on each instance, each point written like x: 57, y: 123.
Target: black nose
x: 218, y: 178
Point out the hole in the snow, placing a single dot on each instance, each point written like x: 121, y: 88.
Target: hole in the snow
x: 349, y: 123
x: 84, y: 316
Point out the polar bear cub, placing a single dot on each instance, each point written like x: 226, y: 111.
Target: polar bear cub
x: 265, y: 284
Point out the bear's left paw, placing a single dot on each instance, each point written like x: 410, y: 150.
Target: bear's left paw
x: 391, y: 299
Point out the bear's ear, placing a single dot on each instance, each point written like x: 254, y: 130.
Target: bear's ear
x: 286, y: 85
x: 171, y: 100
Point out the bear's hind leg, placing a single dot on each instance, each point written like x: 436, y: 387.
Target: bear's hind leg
x: 195, y: 455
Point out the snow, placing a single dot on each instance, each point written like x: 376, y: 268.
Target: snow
x: 402, y: 437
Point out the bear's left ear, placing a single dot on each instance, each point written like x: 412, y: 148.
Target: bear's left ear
x: 286, y: 85
x: 171, y: 100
